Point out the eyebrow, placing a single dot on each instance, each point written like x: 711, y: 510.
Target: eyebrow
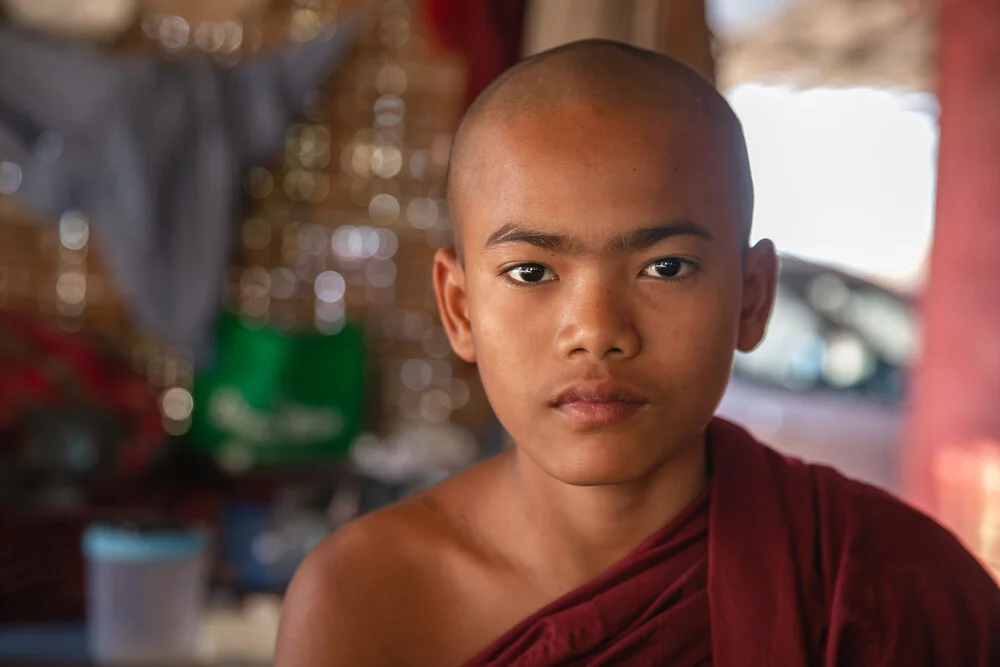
x: 637, y: 239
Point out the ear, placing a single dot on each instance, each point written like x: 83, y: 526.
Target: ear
x: 452, y: 300
x: 760, y: 280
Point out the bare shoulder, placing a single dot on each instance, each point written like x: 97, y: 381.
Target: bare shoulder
x: 337, y: 601
x: 389, y: 569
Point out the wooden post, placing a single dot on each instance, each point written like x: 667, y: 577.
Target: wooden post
x: 678, y: 28
x: 684, y: 34
x: 952, y: 454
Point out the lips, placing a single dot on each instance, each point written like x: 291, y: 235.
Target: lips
x: 596, y: 403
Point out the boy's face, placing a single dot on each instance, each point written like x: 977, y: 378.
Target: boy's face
x: 605, y: 285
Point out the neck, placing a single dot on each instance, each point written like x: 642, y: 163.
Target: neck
x: 573, y: 533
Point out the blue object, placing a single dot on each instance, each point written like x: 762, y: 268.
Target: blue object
x: 43, y: 643
x: 102, y: 542
x: 243, y: 523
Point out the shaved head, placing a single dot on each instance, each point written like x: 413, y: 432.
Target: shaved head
x: 612, y: 78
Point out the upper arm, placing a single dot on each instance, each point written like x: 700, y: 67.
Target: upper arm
x: 946, y: 598
x: 329, y: 617
x: 947, y: 618
x: 914, y: 617
x: 909, y: 592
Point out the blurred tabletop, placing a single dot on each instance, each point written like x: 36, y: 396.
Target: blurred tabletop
x: 242, y: 635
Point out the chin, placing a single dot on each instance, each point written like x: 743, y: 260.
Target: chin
x: 598, y: 463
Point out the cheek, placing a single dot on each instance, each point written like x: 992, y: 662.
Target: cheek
x: 506, y: 321
x: 513, y: 342
x: 691, y: 338
x: 505, y: 325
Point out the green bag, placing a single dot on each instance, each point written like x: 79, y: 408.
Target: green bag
x: 276, y: 398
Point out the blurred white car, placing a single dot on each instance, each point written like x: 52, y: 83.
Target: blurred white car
x: 828, y: 383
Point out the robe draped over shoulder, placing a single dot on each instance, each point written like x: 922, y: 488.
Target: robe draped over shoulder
x: 778, y: 563
x: 653, y: 600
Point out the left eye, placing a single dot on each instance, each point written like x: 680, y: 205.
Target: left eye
x: 530, y: 274
x: 667, y: 267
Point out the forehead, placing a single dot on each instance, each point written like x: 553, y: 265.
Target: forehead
x: 593, y: 173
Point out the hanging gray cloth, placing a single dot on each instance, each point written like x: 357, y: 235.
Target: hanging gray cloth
x: 153, y: 152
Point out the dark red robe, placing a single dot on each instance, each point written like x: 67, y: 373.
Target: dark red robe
x: 778, y: 564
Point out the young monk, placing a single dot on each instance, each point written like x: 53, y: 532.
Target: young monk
x: 602, y: 279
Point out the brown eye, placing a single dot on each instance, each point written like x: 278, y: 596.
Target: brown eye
x: 530, y: 273
x: 668, y: 267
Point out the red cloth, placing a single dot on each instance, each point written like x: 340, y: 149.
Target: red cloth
x: 805, y: 567
x: 42, y: 365
x: 486, y: 32
x: 668, y: 573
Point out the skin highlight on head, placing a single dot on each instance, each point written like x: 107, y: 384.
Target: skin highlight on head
x: 610, y: 75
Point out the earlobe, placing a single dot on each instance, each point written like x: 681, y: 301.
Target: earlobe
x: 452, y: 300
x: 760, y: 280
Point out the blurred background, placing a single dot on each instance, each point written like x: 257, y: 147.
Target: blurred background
x: 218, y: 339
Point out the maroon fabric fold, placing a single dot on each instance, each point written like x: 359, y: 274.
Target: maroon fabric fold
x: 803, y: 566
x: 619, y: 618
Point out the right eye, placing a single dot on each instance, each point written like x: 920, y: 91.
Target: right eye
x: 530, y: 274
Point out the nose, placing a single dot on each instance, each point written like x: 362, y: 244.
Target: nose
x: 598, y: 323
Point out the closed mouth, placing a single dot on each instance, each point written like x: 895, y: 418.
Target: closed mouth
x: 597, y: 392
